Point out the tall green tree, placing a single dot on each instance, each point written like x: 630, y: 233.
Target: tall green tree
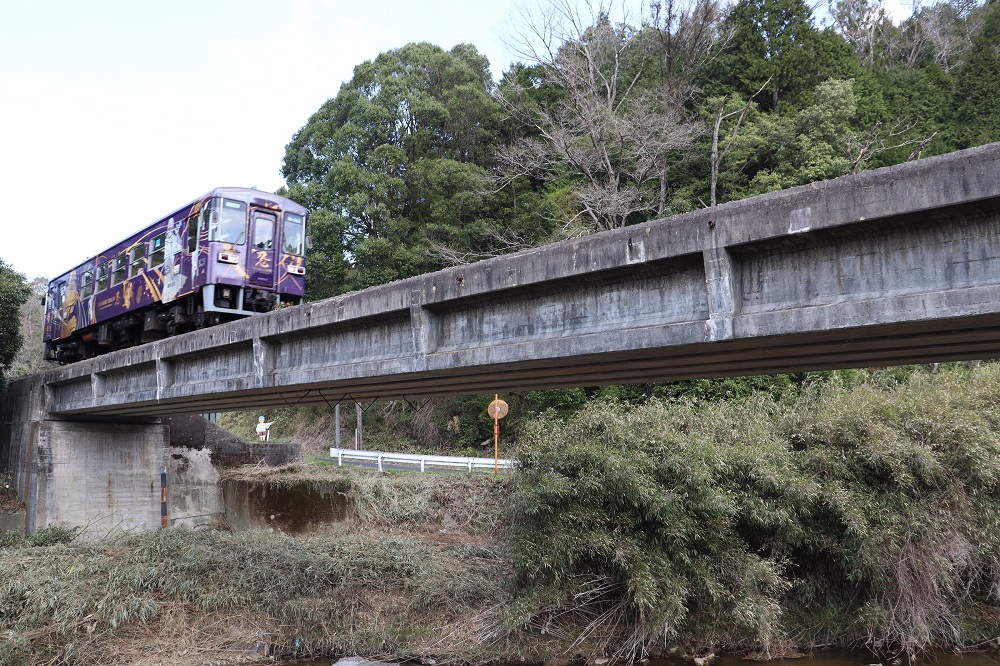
x: 29, y: 358
x: 14, y: 291
x: 910, y: 107
x: 399, y: 155
x: 821, y: 141
x: 775, y: 42
x: 976, y: 90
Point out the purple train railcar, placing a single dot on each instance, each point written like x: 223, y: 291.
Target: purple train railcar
x: 228, y: 254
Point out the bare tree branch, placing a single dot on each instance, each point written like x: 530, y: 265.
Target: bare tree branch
x: 612, y: 135
x: 717, y: 157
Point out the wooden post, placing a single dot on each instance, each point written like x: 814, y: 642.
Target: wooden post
x: 497, y: 409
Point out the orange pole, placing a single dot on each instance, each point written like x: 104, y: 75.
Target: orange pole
x: 164, y: 521
x: 496, y: 436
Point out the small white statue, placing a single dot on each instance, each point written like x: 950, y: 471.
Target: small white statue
x: 264, y: 429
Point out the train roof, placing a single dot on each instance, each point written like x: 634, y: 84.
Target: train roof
x: 247, y: 194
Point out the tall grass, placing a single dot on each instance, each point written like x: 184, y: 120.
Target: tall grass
x: 401, y: 579
x: 349, y: 594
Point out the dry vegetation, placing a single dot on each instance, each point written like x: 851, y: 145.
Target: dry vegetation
x: 417, y: 561
x: 859, y: 511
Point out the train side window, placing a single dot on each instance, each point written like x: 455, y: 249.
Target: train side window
x: 87, y: 284
x: 102, y: 276
x: 137, y: 257
x: 192, y: 233
x: 157, y: 251
x: 62, y: 296
x: 118, y: 276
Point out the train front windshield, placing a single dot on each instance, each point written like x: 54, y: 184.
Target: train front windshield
x: 229, y: 221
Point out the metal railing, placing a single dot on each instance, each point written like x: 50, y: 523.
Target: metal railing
x: 424, y: 461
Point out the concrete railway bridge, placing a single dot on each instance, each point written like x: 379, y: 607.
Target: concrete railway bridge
x: 899, y: 265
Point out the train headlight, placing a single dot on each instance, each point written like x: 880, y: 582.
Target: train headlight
x: 297, y: 270
x: 229, y: 258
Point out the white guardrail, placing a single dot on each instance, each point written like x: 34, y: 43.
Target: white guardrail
x: 424, y: 461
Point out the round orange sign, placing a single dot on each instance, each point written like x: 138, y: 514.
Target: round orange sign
x: 498, y: 409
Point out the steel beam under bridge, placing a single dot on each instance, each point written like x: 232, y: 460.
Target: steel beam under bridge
x: 899, y: 265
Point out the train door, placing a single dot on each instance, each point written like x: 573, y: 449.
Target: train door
x: 198, y: 231
x: 54, y: 311
x: 52, y: 308
x: 261, y: 257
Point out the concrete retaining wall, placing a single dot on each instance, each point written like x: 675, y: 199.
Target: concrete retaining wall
x: 199, y: 449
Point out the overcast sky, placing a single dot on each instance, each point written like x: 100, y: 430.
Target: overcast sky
x: 115, y: 112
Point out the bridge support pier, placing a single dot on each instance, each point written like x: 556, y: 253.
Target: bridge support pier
x: 98, y: 476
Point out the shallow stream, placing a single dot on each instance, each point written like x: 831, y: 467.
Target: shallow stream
x: 856, y: 658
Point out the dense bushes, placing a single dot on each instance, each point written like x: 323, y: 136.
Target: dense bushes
x: 864, y: 512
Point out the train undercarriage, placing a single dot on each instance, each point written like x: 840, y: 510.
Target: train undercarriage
x: 159, y: 321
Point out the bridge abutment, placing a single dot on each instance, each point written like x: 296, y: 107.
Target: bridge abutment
x: 103, y: 476
x: 98, y: 476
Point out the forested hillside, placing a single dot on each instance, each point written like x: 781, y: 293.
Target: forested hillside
x: 422, y: 160
x: 14, y: 292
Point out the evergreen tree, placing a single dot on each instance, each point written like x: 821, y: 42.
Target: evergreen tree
x: 977, y: 110
x: 775, y: 41
x: 911, y: 106
x: 401, y: 152
x: 14, y: 291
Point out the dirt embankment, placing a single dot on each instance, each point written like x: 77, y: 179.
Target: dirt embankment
x: 9, y: 502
